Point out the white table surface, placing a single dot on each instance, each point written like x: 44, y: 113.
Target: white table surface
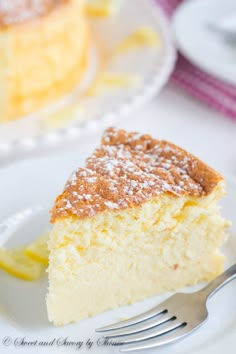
x: 177, y: 117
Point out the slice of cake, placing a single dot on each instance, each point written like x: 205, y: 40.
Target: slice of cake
x: 139, y: 219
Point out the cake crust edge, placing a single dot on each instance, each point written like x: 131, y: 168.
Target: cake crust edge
x: 136, y: 163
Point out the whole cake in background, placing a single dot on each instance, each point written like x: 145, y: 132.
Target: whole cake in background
x: 43, y: 52
x: 139, y: 219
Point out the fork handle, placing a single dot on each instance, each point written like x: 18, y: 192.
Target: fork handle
x: 219, y: 282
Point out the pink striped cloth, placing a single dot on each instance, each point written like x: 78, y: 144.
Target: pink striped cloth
x: 206, y: 88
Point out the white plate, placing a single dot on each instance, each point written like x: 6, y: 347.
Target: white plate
x: 199, y: 44
x: 152, y: 67
x: 22, y: 305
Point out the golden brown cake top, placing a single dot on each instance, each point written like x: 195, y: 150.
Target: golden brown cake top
x: 18, y: 11
x: 129, y: 169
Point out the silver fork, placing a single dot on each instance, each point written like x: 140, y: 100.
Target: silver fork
x: 171, y: 320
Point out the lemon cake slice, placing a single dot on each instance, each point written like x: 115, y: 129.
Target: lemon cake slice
x: 139, y: 219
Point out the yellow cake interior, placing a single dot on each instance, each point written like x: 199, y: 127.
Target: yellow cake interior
x: 43, y: 58
x: 140, y: 218
x: 120, y: 257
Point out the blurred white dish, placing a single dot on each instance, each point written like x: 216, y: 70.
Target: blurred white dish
x: 202, y: 46
x: 226, y: 27
x: 152, y: 66
x: 22, y: 304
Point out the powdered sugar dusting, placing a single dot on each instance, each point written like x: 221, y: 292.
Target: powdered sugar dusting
x: 18, y: 11
x: 129, y: 169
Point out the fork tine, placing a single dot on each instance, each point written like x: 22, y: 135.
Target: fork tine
x: 157, y: 320
x: 136, y: 319
x: 175, y: 335
x: 172, y: 325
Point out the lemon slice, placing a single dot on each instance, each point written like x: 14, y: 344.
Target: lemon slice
x: 38, y: 250
x: 107, y: 81
x: 16, y: 263
x: 102, y: 8
x: 63, y: 117
x: 140, y: 38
